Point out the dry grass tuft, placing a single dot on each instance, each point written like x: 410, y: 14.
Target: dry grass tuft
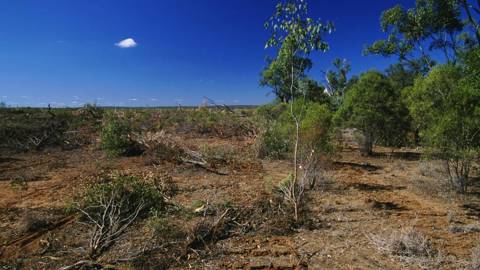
x: 408, y: 246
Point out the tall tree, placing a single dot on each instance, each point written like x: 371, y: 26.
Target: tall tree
x: 446, y: 106
x: 430, y: 25
x: 373, y: 106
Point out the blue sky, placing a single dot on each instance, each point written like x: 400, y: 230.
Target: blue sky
x: 64, y: 53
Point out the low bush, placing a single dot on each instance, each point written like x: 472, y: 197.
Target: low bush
x: 112, y: 205
x: 33, y: 129
x: 207, y: 121
x: 127, y: 190
x: 159, y: 225
x: 116, y: 137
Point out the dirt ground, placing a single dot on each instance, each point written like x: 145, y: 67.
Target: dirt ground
x: 359, y: 200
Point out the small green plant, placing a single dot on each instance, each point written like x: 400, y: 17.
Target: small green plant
x: 159, y: 224
x: 274, y: 142
x: 115, y: 137
x: 197, y: 204
x: 286, y: 182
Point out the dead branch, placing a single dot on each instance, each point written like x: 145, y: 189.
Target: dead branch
x: 109, y: 223
x: 177, y: 152
x: 203, y: 233
x: 82, y: 263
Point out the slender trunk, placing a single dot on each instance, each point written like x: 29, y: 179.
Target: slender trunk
x: 445, y: 48
x: 295, y: 173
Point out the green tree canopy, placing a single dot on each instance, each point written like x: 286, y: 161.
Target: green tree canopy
x: 373, y: 106
x: 430, y: 25
x: 278, y: 74
x: 401, y: 76
x: 446, y: 105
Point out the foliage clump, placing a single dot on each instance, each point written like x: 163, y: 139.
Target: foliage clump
x: 373, y: 106
x: 112, y: 205
x: 276, y: 138
x: 128, y: 190
x: 116, y: 137
x: 446, y: 106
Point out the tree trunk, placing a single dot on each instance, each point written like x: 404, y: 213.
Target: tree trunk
x: 368, y: 144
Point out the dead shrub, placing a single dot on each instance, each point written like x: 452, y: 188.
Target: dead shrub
x: 160, y: 145
x: 228, y: 158
x: 293, y: 189
x: 408, y: 246
x: 431, y: 168
x: 208, y: 231
x: 438, y: 187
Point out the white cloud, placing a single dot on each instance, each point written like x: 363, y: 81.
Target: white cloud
x: 126, y: 43
x: 132, y: 99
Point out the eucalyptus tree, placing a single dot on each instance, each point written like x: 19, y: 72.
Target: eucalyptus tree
x: 412, y: 33
x: 291, y: 27
x: 337, y: 81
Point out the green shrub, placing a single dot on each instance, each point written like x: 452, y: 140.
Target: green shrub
x: 274, y: 142
x: 115, y: 137
x: 446, y: 107
x: 277, y: 138
x: 32, y: 129
x: 114, y: 204
x: 127, y: 191
x: 158, y: 224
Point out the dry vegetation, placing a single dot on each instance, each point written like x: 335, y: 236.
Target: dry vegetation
x: 177, y: 189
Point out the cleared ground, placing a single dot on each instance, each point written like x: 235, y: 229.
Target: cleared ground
x: 360, y: 202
